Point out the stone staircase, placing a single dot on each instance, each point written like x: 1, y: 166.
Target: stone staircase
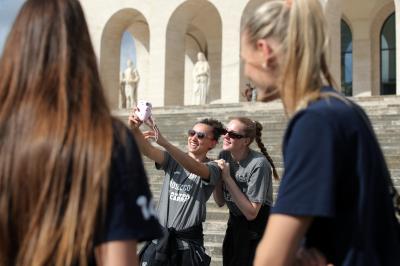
x: 174, y: 122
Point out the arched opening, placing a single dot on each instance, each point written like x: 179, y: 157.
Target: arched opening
x: 195, y: 26
x: 388, y: 56
x: 346, y: 59
x: 124, y: 21
x: 128, y: 71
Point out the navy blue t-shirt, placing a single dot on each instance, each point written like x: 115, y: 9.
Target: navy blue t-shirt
x: 335, y: 172
x: 130, y: 213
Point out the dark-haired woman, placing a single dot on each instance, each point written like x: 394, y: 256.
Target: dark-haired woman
x: 189, y: 181
x: 246, y: 189
x: 72, y: 185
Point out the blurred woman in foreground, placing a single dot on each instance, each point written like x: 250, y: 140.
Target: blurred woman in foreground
x: 71, y: 193
x: 336, y: 193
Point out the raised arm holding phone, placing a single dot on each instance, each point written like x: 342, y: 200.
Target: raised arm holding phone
x: 189, y: 180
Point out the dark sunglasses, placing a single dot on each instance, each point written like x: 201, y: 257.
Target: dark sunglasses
x: 233, y: 134
x: 200, y: 135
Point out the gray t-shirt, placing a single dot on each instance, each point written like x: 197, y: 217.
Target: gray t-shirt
x: 187, y: 194
x: 253, y: 175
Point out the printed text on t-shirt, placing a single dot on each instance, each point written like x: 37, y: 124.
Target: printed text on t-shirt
x: 179, y: 196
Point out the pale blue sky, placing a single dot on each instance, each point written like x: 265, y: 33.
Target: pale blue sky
x: 127, y: 50
x: 8, y: 11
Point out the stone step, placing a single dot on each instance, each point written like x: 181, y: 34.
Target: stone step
x: 214, y: 236
x: 214, y: 250
x: 214, y: 225
x: 216, y: 261
x: 244, y: 107
x: 217, y: 214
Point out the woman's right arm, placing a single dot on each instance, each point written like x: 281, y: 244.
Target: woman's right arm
x: 218, y: 194
x: 248, y: 208
x: 190, y: 164
x: 187, y: 162
x: 145, y: 147
x: 157, y: 155
x: 117, y: 253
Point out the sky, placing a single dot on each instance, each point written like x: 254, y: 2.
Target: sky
x: 10, y: 8
x: 8, y: 11
x: 127, y: 50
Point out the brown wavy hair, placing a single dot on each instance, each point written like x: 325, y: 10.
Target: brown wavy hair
x: 217, y: 127
x: 55, y: 137
x: 253, y: 131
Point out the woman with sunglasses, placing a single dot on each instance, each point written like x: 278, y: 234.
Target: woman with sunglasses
x: 336, y: 192
x: 189, y: 181
x: 246, y: 188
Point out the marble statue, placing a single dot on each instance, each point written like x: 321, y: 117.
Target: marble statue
x: 131, y: 80
x: 201, y: 80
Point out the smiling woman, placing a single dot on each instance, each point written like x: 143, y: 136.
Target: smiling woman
x: 246, y: 188
x: 189, y: 181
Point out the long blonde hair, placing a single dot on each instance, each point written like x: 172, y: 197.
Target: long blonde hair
x: 55, y: 138
x: 300, y: 28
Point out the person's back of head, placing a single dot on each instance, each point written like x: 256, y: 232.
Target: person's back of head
x: 56, y: 137
x: 299, y: 27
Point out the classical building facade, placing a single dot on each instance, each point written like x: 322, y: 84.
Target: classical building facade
x: 169, y: 34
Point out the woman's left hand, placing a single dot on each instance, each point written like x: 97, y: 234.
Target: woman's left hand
x: 224, y: 166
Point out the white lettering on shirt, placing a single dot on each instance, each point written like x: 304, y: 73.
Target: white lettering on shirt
x: 146, y: 207
x: 179, y: 197
x: 179, y: 187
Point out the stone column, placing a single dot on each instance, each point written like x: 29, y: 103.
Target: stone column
x: 156, y: 89
x: 333, y: 12
x: 362, y: 64
x: 397, y: 12
x: 230, y: 62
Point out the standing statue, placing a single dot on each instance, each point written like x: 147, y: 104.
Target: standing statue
x: 131, y: 79
x: 201, y: 78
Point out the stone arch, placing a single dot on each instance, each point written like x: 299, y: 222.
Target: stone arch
x: 250, y: 8
x: 348, y: 21
x: 195, y: 41
x: 132, y: 21
x: 194, y: 26
x: 379, y: 19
